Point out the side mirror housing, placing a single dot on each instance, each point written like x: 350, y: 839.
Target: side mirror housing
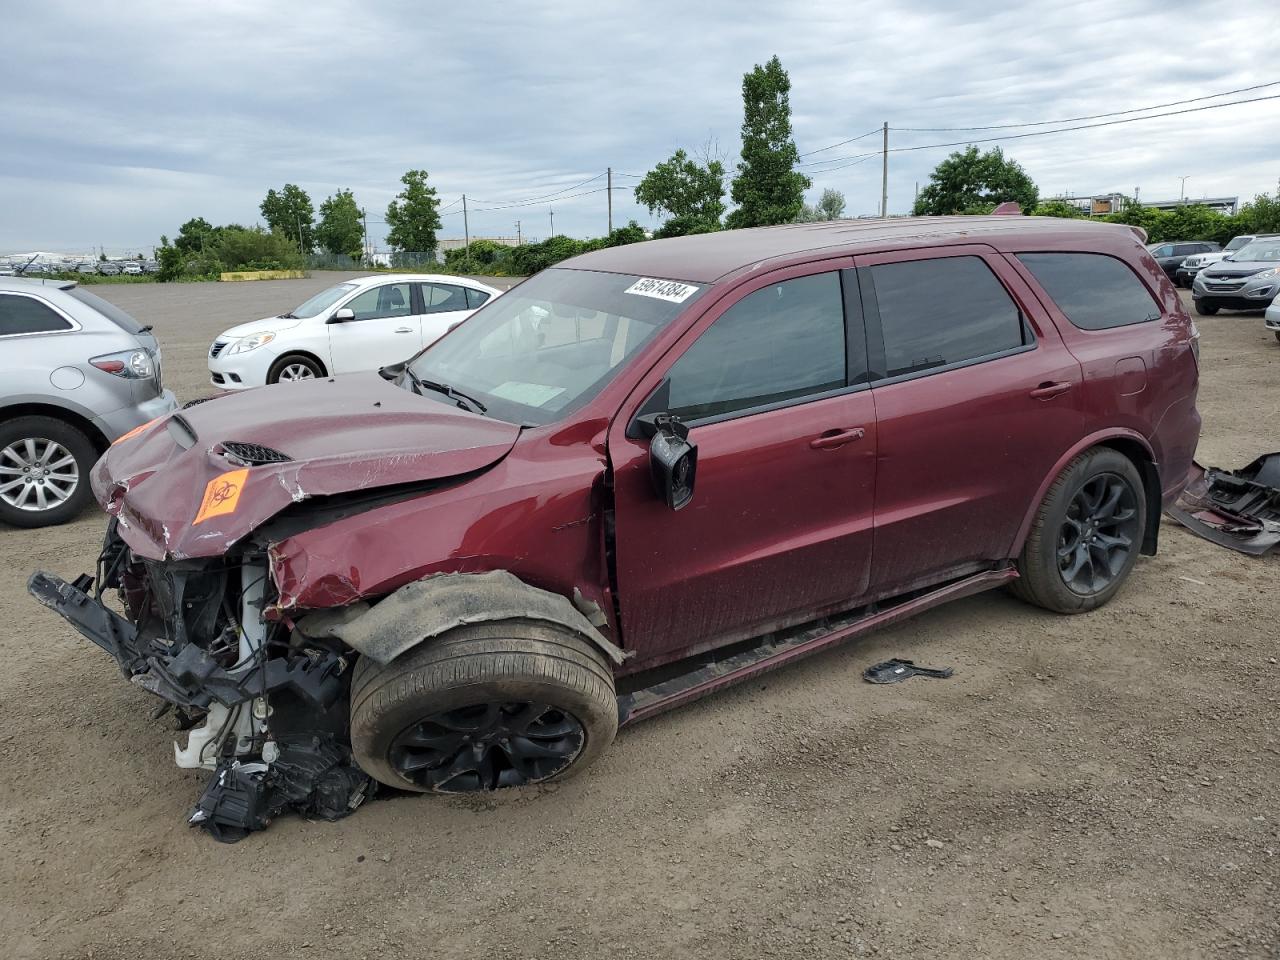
x: 342, y: 315
x: 673, y: 460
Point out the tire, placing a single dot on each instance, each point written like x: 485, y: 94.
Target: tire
x: 1205, y: 310
x: 53, y: 442
x: 294, y: 366
x: 1060, y: 525
x: 1278, y: 334
x: 447, y: 717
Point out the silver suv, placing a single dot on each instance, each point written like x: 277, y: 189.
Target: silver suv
x: 76, y: 372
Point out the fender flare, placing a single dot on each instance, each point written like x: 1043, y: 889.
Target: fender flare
x: 1150, y: 472
x: 428, y: 608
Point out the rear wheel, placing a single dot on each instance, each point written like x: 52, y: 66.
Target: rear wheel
x: 1205, y: 309
x: 294, y: 367
x: 1086, y: 535
x: 1278, y: 334
x: 44, y: 471
x: 486, y: 706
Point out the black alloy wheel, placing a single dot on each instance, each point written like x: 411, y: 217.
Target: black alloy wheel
x: 1098, y: 534
x: 485, y: 746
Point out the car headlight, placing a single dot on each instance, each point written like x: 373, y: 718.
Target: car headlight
x: 1266, y: 274
x: 245, y: 344
x: 129, y: 364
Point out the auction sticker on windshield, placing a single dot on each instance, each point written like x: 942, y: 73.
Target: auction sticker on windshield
x: 671, y: 290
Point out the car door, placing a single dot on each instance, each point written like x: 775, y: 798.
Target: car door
x: 385, y: 329
x: 771, y: 382
x: 1164, y: 255
x: 444, y: 306
x: 976, y: 399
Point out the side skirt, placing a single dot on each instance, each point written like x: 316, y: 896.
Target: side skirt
x: 790, y: 645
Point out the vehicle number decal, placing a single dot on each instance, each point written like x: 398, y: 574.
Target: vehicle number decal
x: 671, y: 290
x: 221, y: 495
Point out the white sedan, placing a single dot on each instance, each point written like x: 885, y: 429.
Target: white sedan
x: 357, y: 326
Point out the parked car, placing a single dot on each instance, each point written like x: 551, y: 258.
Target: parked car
x: 150, y: 266
x: 132, y: 267
x: 639, y: 476
x: 86, y: 266
x: 1194, y: 264
x: 1170, y: 255
x: 1247, y: 280
x: 353, y: 327
x: 108, y: 268
x: 1272, y: 317
x: 76, y: 372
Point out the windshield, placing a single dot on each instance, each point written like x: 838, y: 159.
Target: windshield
x: 323, y: 300
x: 1237, y: 243
x: 1267, y: 250
x: 549, y: 345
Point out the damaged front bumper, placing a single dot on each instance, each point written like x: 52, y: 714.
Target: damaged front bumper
x: 1237, y: 509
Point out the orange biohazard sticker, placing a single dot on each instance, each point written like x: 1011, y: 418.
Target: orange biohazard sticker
x: 132, y: 433
x: 221, y: 494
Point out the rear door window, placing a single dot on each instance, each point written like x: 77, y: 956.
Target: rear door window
x: 1094, y: 292
x: 779, y: 343
x: 443, y: 298
x: 938, y: 312
x: 19, y: 315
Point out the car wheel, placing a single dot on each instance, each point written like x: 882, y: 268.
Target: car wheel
x: 1204, y: 309
x: 1086, y: 535
x: 44, y: 471
x: 294, y: 367
x: 1278, y: 334
x: 485, y: 706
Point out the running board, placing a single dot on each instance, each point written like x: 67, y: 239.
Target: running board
x: 789, y: 645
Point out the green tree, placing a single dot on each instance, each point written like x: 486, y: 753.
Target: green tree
x: 290, y: 213
x: 169, y: 261
x: 767, y: 189
x: 969, y: 179
x: 252, y: 248
x: 685, y: 190
x: 1057, y: 208
x: 414, y: 215
x: 194, y: 236
x: 830, y: 206
x: 340, y: 229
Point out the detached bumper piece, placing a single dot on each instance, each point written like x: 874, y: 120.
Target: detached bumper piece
x: 189, y: 678
x: 1237, y: 509
x: 312, y: 776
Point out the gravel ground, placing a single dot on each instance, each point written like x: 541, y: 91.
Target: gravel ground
x: 1105, y: 785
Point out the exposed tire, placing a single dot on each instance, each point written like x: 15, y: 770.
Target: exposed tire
x: 1278, y: 334
x: 1205, y: 310
x: 485, y: 706
x: 292, y: 367
x: 44, y: 471
x: 1073, y: 560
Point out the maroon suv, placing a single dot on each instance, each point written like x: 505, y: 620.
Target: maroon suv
x: 635, y: 478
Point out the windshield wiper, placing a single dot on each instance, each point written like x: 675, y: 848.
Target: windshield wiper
x: 454, y: 394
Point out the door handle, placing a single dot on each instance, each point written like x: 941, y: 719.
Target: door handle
x: 404, y: 330
x: 831, y: 439
x: 1050, y: 389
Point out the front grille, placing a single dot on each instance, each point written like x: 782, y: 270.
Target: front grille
x: 253, y: 454
x: 217, y: 348
x: 1211, y: 285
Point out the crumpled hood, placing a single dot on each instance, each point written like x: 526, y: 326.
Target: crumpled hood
x: 181, y: 487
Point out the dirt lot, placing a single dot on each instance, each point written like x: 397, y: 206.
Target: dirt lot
x: 1102, y: 786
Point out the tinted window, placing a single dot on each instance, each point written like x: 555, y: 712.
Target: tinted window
x: 108, y: 310
x: 783, y: 341
x: 389, y: 300
x: 1093, y: 291
x: 443, y: 297
x: 475, y: 297
x: 936, y: 312
x: 27, y: 315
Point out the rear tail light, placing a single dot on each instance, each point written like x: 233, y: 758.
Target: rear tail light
x: 129, y: 364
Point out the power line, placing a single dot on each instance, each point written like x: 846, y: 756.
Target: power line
x: 549, y: 196
x: 834, y: 145
x: 1094, y: 116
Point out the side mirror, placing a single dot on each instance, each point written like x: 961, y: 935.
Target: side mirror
x: 342, y: 315
x: 673, y: 460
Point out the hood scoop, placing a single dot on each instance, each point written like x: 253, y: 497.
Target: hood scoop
x: 251, y: 454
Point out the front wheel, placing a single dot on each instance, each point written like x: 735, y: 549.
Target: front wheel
x: 486, y: 706
x: 294, y: 367
x: 1086, y: 535
x: 1205, y: 309
x: 1278, y: 334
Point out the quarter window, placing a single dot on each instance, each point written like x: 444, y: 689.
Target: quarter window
x: 938, y: 312
x: 475, y: 298
x: 28, y: 315
x: 781, y: 342
x: 388, y: 300
x: 443, y: 297
x: 1093, y: 291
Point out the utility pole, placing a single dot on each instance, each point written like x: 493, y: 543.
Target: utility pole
x: 553, y: 221
x: 610, y: 185
x: 518, y: 238
x: 1182, y: 194
x: 466, y: 234
x: 364, y: 219
x: 884, y: 175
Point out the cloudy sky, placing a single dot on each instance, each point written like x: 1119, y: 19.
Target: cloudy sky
x: 120, y: 121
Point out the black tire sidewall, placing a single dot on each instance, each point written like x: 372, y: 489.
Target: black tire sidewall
x: 273, y: 376
x: 1205, y: 309
x: 77, y: 444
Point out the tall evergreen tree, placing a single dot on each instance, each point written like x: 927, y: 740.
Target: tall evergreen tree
x: 768, y: 189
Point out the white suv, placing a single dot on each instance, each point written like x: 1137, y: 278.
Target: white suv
x: 357, y: 326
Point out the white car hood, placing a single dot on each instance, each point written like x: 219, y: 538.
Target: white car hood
x: 274, y: 324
